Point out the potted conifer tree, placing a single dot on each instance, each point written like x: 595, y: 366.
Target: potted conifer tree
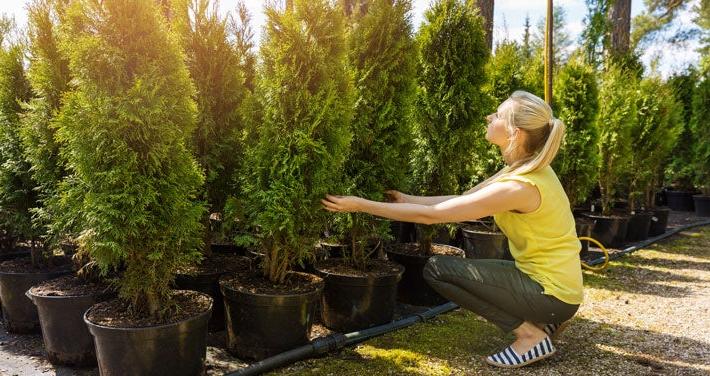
x: 361, y: 292
x: 18, y: 196
x: 577, y: 164
x: 124, y: 129
x: 450, y: 106
x: 302, y: 143
x: 701, y: 147
x: 617, y: 114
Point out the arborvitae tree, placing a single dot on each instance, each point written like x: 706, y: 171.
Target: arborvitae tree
x: 17, y: 194
x: 216, y: 70
x: 48, y: 74
x: 617, y: 114
x: 451, y: 102
x: 679, y: 170
x: 700, y: 128
x: 652, y: 137
x: 576, y: 103
x: 126, y: 126
x: 304, y: 136
x: 383, y: 58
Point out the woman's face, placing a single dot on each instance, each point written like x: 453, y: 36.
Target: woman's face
x: 497, y: 130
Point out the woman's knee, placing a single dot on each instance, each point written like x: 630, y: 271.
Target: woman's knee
x: 433, y: 268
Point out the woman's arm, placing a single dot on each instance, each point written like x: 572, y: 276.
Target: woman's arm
x: 492, y: 199
x: 403, y: 198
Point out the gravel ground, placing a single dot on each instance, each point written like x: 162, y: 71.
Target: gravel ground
x: 647, y: 314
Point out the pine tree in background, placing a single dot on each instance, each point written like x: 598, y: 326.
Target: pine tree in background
x: 48, y: 74
x: 304, y: 137
x: 576, y: 104
x: 451, y: 102
x: 125, y: 127
x: 383, y: 59
x: 17, y: 194
x: 217, y: 70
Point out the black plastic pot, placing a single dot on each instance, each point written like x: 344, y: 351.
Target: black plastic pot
x: 659, y: 221
x: 352, y: 303
x: 66, y: 337
x: 11, y: 254
x: 702, y: 205
x: 403, y: 232
x: 227, y: 248
x: 173, y: 349
x: 680, y: 200
x: 610, y: 230
x: 260, y: 325
x: 208, y: 284
x: 19, y: 313
x: 413, y: 289
x: 584, y: 229
x: 484, y: 244
x: 638, y: 227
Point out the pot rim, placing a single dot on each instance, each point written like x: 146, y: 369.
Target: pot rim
x: 222, y: 284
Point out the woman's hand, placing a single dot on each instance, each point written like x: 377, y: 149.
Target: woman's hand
x: 395, y: 196
x: 342, y: 204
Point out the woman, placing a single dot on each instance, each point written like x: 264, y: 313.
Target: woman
x: 542, y: 289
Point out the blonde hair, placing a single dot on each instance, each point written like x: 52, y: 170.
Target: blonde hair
x: 533, y: 116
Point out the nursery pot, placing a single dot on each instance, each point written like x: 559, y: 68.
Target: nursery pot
x: 584, y: 228
x: 484, y: 244
x: 610, y: 230
x: 680, y: 200
x: 207, y: 283
x: 354, y: 302
x: 174, y: 349
x: 638, y: 227
x: 702, y: 205
x: 413, y: 289
x: 11, y: 254
x: 227, y: 248
x: 66, y: 336
x: 403, y: 232
x: 19, y: 313
x: 659, y: 221
x: 260, y: 325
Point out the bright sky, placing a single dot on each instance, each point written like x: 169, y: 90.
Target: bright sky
x: 507, y: 12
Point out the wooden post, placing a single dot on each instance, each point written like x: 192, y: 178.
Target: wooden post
x: 549, y: 62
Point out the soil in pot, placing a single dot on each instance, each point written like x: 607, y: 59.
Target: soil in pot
x: 584, y: 229
x: 480, y: 242
x: 680, y: 200
x: 16, y: 277
x: 413, y: 289
x: 61, y: 303
x: 204, y: 277
x: 264, y: 319
x: 639, y: 226
x: 702, y: 205
x: 355, y: 299
x: 610, y: 230
x: 126, y: 345
x: 659, y: 221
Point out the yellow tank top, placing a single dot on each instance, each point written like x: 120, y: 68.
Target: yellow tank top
x: 544, y: 242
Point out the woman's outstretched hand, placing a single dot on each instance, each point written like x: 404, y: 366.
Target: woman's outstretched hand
x: 343, y: 204
x: 395, y: 196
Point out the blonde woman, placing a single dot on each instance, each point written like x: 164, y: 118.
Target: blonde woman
x: 542, y: 288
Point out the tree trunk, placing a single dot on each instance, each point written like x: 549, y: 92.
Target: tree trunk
x: 620, y: 20
x: 486, y: 8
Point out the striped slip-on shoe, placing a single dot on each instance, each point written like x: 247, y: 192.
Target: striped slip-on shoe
x: 554, y: 330
x: 508, y: 358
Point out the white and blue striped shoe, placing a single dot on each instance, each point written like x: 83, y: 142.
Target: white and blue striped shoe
x: 508, y: 358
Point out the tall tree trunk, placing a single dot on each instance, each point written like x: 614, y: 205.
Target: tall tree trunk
x: 620, y: 20
x: 486, y: 8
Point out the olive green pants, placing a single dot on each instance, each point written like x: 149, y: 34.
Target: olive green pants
x: 495, y: 290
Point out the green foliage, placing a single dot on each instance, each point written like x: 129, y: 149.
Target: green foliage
x: 17, y: 195
x: 679, y: 170
x: 383, y: 59
x: 216, y: 69
x: 125, y: 127
x: 653, y: 135
x: 700, y: 129
x: 617, y: 114
x: 49, y: 76
x: 451, y: 101
x: 656, y: 18
x: 576, y: 103
x: 595, y: 36
x: 304, y: 137
x: 561, y: 40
